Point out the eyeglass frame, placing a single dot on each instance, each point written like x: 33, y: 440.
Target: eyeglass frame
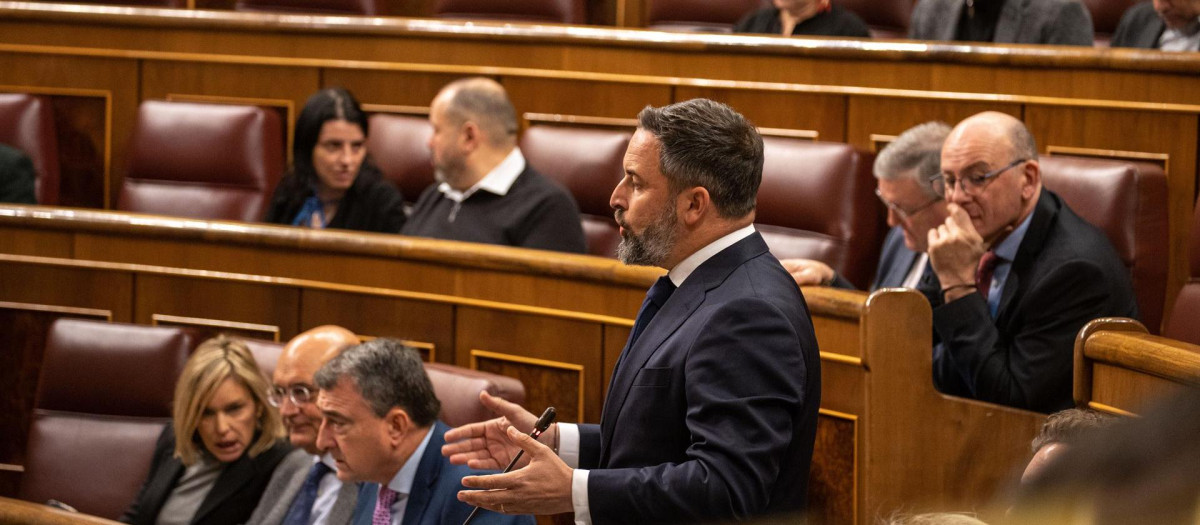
x: 938, y: 181
x: 277, y: 394
x: 902, y: 213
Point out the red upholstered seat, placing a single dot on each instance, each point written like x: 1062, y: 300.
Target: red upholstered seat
x: 885, y: 18
x: 553, y: 11
x: 1106, y: 15
x: 104, y: 395
x: 698, y: 15
x: 1128, y: 201
x: 817, y: 202
x: 207, y: 161
x: 27, y: 123
x: 458, y: 389
x: 398, y: 144
x: 266, y: 354
x: 588, y: 162
x: 1182, y: 323
x: 335, y: 7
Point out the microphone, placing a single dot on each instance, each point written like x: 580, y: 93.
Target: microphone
x: 539, y: 426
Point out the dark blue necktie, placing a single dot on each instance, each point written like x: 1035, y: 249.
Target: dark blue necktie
x: 655, y: 299
x: 301, y: 511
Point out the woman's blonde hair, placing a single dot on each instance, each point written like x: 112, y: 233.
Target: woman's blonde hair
x: 214, y: 361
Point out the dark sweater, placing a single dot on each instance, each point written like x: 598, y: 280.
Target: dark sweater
x: 835, y: 22
x: 17, y: 179
x: 371, y: 204
x: 535, y: 213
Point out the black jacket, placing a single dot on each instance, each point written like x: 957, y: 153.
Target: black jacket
x: 370, y: 205
x: 232, y: 498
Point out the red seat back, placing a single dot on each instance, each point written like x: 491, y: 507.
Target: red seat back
x: 27, y: 123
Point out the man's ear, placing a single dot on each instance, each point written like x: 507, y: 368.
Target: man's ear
x: 1031, y: 178
x: 471, y: 136
x: 398, y: 424
x: 693, y: 203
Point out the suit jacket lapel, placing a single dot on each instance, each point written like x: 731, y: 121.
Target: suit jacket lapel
x: 947, y: 29
x: 229, y: 482
x: 1045, y: 212
x: 427, y: 474
x: 343, y: 506
x: 679, y: 307
x: 1009, y: 24
x: 1149, y: 37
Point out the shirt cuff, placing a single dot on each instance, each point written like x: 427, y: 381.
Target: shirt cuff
x: 579, y: 496
x: 568, y: 444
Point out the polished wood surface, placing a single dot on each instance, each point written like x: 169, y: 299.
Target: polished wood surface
x: 1120, y: 368
x: 887, y: 438
x: 17, y: 512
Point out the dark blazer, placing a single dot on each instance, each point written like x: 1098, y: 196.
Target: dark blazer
x: 17, y: 177
x: 835, y: 22
x: 232, y: 498
x: 1061, y: 22
x: 535, y: 213
x: 712, y: 412
x: 1140, y: 27
x: 434, y: 498
x: 370, y: 205
x: 285, y: 485
x: 1065, y: 274
x: 896, y: 260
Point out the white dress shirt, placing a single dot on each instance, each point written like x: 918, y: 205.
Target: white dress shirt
x: 497, y: 181
x: 402, y: 482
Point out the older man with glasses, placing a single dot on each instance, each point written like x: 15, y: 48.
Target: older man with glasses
x: 1020, y: 272
x: 905, y: 171
x: 305, y: 490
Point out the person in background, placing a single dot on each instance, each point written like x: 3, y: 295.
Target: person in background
x: 232, y: 443
x: 17, y: 178
x: 332, y: 182
x: 1169, y: 25
x: 486, y: 192
x: 904, y: 173
x: 1059, y: 22
x: 305, y: 489
x: 803, y: 17
x: 1060, y: 431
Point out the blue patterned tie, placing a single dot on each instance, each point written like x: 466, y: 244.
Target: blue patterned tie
x: 301, y: 511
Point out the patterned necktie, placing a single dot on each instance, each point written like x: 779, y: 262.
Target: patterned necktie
x: 983, y: 274
x: 383, y: 506
x: 655, y: 299
x: 301, y: 511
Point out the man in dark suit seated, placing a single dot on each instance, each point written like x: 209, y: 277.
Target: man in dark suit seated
x: 485, y: 190
x: 17, y: 178
x: 1169, y: 25
x: 1060, y: 22
x: 380, y: 425
x: 305, y: 489
x: 711, y: 411
x: 904, y: 173
x: 1020, y: 272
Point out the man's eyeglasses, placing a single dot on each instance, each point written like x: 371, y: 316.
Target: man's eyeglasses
x: 969, y: 185
x: 902, y: 213
x: 299, y: 395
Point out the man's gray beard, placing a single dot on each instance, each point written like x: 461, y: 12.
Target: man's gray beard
x: 654, y: 245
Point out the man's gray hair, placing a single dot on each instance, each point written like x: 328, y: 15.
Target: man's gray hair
x: 387, y: 374
x: 916, y: 154
x: 483, y: 101
x: 708, y: 144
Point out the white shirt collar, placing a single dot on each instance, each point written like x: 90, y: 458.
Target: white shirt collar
x: 681, y: 271
x: 403, y: 480
x: 497, y: 181
x: 327, y: 459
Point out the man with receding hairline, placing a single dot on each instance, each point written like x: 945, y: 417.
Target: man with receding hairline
x: 485, y: 190
x: 1020, y: 272
x: 304, y: 489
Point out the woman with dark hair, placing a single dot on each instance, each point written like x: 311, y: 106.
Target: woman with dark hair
x: 803, y: 17
x: 332, y: 183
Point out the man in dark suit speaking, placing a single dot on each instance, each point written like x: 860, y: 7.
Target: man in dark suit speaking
x: 712, y: 408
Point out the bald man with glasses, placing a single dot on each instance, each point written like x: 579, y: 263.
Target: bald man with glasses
x: 305, y: 490
x: 1020, y: 272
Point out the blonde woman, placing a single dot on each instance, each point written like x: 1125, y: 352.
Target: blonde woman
x: 216, y: 475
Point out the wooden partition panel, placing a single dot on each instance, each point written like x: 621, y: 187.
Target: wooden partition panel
x: 427, y: 322
x: 822, y: 113
x: 1121, y: 369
